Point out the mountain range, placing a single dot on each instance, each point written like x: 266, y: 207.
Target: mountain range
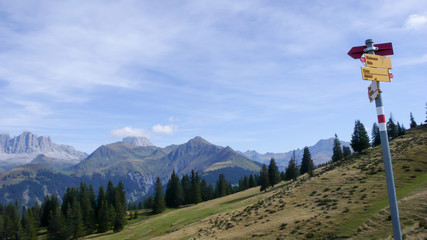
x: 321, y: 152
x: 36, y: 166
x: 136, y: 166
x: 26, y: 147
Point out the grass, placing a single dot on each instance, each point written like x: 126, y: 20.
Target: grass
x: 344, y: 200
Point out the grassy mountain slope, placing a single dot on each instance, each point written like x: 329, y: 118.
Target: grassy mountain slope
x: 343, y: 200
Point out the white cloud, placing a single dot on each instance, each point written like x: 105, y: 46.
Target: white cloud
x: 129, y: 132
x: 416, y: 21
x: 167, y: 129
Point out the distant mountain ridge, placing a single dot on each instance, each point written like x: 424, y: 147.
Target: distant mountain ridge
x: 137, y: 141
x: 25, y: 147
x: 321, y: 152
x: 136, y: 166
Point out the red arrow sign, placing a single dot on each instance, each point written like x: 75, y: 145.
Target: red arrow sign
x: 384, y: 49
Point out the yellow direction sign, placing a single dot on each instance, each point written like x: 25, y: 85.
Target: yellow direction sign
x: 375, y: 74
x: 377, y: 61
x: 373, y: 91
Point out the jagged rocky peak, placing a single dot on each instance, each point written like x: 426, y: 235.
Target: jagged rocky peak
x: 137, y: 141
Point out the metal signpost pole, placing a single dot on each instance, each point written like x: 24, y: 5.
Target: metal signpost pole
x: 386, y: 156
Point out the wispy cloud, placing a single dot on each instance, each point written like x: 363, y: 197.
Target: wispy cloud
x: 416, y: 21
x: 129, y: 132
x: 166, y: 129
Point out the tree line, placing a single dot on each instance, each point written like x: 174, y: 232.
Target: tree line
x: 80, y: 213
x: 190, y: 189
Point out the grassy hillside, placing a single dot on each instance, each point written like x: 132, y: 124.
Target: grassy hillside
x: 344, y: 200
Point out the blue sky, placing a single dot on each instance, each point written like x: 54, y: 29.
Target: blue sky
x: 269, y: 76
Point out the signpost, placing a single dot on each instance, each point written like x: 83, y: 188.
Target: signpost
x: 375, y: 74
x: 377, y: 61
x: 383, y: 50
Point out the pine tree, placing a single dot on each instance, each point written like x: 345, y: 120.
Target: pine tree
x: 245, y: 182
x: 149, y: 202
x: 307, y: 164
x: 376, y: 139
x: 174, y: 195
x: 75, y: 220
x: 29, y: 225
x: 252, y: 182
x: 57, y: 227
x: 264, y: 180
x: 391, y: 128
x: 401, y: 130
x: 195, y: 192
x: 336, y: 150
x: 346, y: 151
x: 120, y: 214
x: 359, y: 139
x: 186, y: 188
x: 291, y: 172
x: 221, y: 186
x: 282, y: 176
x: 159, y: 201
x: 413, y: 124
x: 12, y: 222
x: 103, y: 217
x: 273, y: 173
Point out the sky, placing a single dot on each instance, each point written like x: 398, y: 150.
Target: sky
x: 269, y: 76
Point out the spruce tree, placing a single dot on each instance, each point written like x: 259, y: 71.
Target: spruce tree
x: 413, y: 124
x: 307, y: 164
x: 12, y: 222
x: 346, y: 151
x: 282, y: 176
x: 264, y: 180
x: 391, y: 128
x: 75, y: 221
x: 245, y: 182
x: 159, y: 201
x: 337, y: 154
x: 221, y: 186
x: 273, y: 173
x: 186, y: 188
x: 359, y: 139
x: 103, y: 217
x: 174, y: 195
x: 291, y: 172
x: 120, y: 215
x: 376, y: 139
x: 195, y: 192
x: 29, y: 225
x: 401, y: 130
x: 252, y: 182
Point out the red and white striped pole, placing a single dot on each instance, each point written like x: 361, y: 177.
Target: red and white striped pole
x: 394, y: 211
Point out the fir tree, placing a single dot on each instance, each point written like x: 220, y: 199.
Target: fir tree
x: 401, y: 130
x: 413, y: 124
x: 376, y: 139
x: 57, y: 227
x: 245, y: 182
x: 186, y: 188
x: 337, y: 154
x: 149, y: 202
x: 221, y: 186
x: 282, y: 176
x: 273, y: 173
x: 346, y: 151
x: 120, y: 215
x: 195, y: 192
x: 252, y: 182
x: 159, y: 201
x: 174, y: 195
x: 264, y: 180
x: 29, y: 225
x: 391, y: 129
x: 12, y: 222
x: 75, y: 221
x: 307, y: 164
x: 359, y: 139
x: 103, y: 217
x: 291, y: 172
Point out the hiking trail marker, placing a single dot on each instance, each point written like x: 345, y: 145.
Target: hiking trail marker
x: 376, y: 70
